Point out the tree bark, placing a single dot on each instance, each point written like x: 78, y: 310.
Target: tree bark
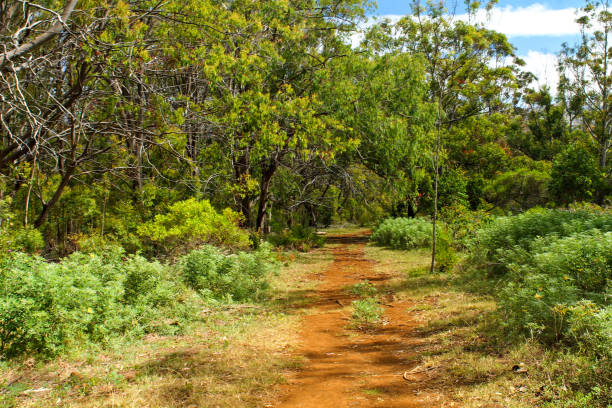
x: 54, y: 30
x: 436, y: 178
x: 264, y: 195
x: 56, y: 196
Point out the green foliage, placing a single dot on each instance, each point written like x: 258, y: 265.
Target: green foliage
x: 519, y: 190
x: 554, y: 276
x: 190, y: 223
x: 26, y: 239
x: 507, y: 239
x: 576, y: 176
x: 463, y: 223
x: 545, y: 285
x: 403, y: 233
x: 14, y: 237
x: 237, y: 277
x: 48, y: 308
x: 364, y: 288
x: 409, y: 233
x: 366, y: 312
x: 299, y: 237
x: 590, y: 330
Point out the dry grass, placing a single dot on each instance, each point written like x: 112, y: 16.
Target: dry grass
x: 235, y: 355
x: 461, y: 349
x: 232, y: 358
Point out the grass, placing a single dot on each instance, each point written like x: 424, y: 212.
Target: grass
x: 372, y: 392
x: 345, y: 229
x: 462, y: 347
x: 233, y: 357
x: 363, y: 288
x: 366, y: 313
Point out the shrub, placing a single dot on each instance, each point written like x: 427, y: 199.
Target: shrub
x: 238, y: 277
x: 403, y: 233
x: 364, y: 288
x: 409, y: 233
x: 366, y: 312
x: 510, y: 238
x: 190, y: 223
x: 14, y: 237
x: 576, y: 176
x: 299, y: 238
x: 463, y: 223
x: 554, y: 268
x: 583, y: 259
x: 547, y: 283
x: 590, y: 330
x: 519, y: 189
x: 27, y: 239
x: 47, y: 308
x: 538, y: 306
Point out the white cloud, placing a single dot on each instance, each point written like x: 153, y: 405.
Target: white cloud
x: 533, y: 20
x: 544, y: 67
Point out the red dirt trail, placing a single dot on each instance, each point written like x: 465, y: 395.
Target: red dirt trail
x: 354, y: 368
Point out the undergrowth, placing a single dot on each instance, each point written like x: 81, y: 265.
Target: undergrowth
x: 551, y: 274
x: 366, y: 313
x: 411, y: 233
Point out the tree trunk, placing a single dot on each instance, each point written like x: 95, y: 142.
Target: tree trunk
x: 264, y: 195
x: 241, y: 167
x: 603, y: 156
x: 56, y: 196
x: 436, y: 178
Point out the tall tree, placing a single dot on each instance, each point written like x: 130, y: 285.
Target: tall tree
x: 586, y: 75
x: 469, y: 69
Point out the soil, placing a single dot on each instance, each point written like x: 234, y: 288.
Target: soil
x: 348, y: 367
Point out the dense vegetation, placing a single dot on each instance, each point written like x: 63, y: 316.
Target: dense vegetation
x: 410, y: 233
x: 553, y: 273
x: 130, y: 115
x: 149, y: 149
x: 89, y: 299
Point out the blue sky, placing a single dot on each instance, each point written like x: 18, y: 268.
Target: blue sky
x: 537, y: 28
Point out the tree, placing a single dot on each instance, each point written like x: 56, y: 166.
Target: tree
x: 586, y: 76
x: 576, y: 176
x: 466, y: 67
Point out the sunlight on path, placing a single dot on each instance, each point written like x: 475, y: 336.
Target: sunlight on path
x: 352, y: 368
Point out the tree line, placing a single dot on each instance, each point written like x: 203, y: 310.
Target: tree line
x: 110, y: 112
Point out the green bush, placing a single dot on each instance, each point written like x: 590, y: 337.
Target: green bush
x: 237, y: 277
x: 509, y: 239
x: 26, y: 239
x: 364, y: 288
x: 545, y: 285
x: 409, y: 233
x: 300, y: 238
x: 190, y: 223
x: 403, y: 233
x: 576, y: 175
x: 590, y: 330
x: 15, y: 237
x: 538, y: 306
x: 553, y: 276
x: 48, y: 308
x: 463, y: 223
x: 366, y: 312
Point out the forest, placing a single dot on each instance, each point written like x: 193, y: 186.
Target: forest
x: 163, y: 157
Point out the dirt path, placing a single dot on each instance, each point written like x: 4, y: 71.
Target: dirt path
x: 352, y: 368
